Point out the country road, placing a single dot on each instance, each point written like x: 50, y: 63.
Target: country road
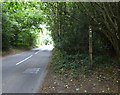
x: 25, y: 72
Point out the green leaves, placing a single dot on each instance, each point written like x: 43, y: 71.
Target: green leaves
x: 18, y: 21
x: 68, y: 24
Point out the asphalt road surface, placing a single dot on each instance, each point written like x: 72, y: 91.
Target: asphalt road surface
x: 25, y: 72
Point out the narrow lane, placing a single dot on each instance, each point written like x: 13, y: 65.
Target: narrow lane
x: 25, y: 72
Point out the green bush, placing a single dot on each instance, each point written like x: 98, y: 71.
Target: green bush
x: 102, y: 59
x: 5, y: 41
x: 73, y: 64
x: 62, y: 62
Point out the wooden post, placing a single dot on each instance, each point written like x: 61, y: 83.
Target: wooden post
x: 90, y: 45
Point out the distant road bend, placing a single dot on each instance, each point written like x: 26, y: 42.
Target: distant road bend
x: 25, y: 72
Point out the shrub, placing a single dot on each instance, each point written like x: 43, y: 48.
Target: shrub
x: 62, y: 62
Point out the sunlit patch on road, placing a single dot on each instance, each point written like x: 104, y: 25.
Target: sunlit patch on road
x: 44, y: 48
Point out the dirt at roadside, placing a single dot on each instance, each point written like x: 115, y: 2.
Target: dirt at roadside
x: 98, y: 82
x: 12, y: 52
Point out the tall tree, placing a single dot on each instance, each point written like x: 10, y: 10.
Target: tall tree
x: 106, y: 17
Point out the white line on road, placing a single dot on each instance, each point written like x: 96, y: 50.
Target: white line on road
x: 37, y: 70
x: 24, y: 60
x: 36, y: 52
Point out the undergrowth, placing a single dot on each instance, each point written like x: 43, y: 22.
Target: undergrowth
x: 75, y: 64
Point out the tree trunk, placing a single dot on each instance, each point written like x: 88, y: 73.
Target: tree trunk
x: 90, y: 45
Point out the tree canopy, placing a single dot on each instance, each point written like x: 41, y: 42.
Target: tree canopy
x: 68, y: 21
x: 20, y: 23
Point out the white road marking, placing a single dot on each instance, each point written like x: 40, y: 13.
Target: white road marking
x: 24, y: 60
x: 31, y: 71
x: 36, y: 52
x: 37, y: 70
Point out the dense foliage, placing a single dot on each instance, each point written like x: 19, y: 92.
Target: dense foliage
x: 86, y: 39
x: 20, y: 24
x: 105, y: 21
x: 69, y: 30
x: 69, y: 23
x: 73, y: 65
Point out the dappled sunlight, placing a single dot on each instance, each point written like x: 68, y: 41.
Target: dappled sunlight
x: 44, y: 37
x: 44, y: 48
